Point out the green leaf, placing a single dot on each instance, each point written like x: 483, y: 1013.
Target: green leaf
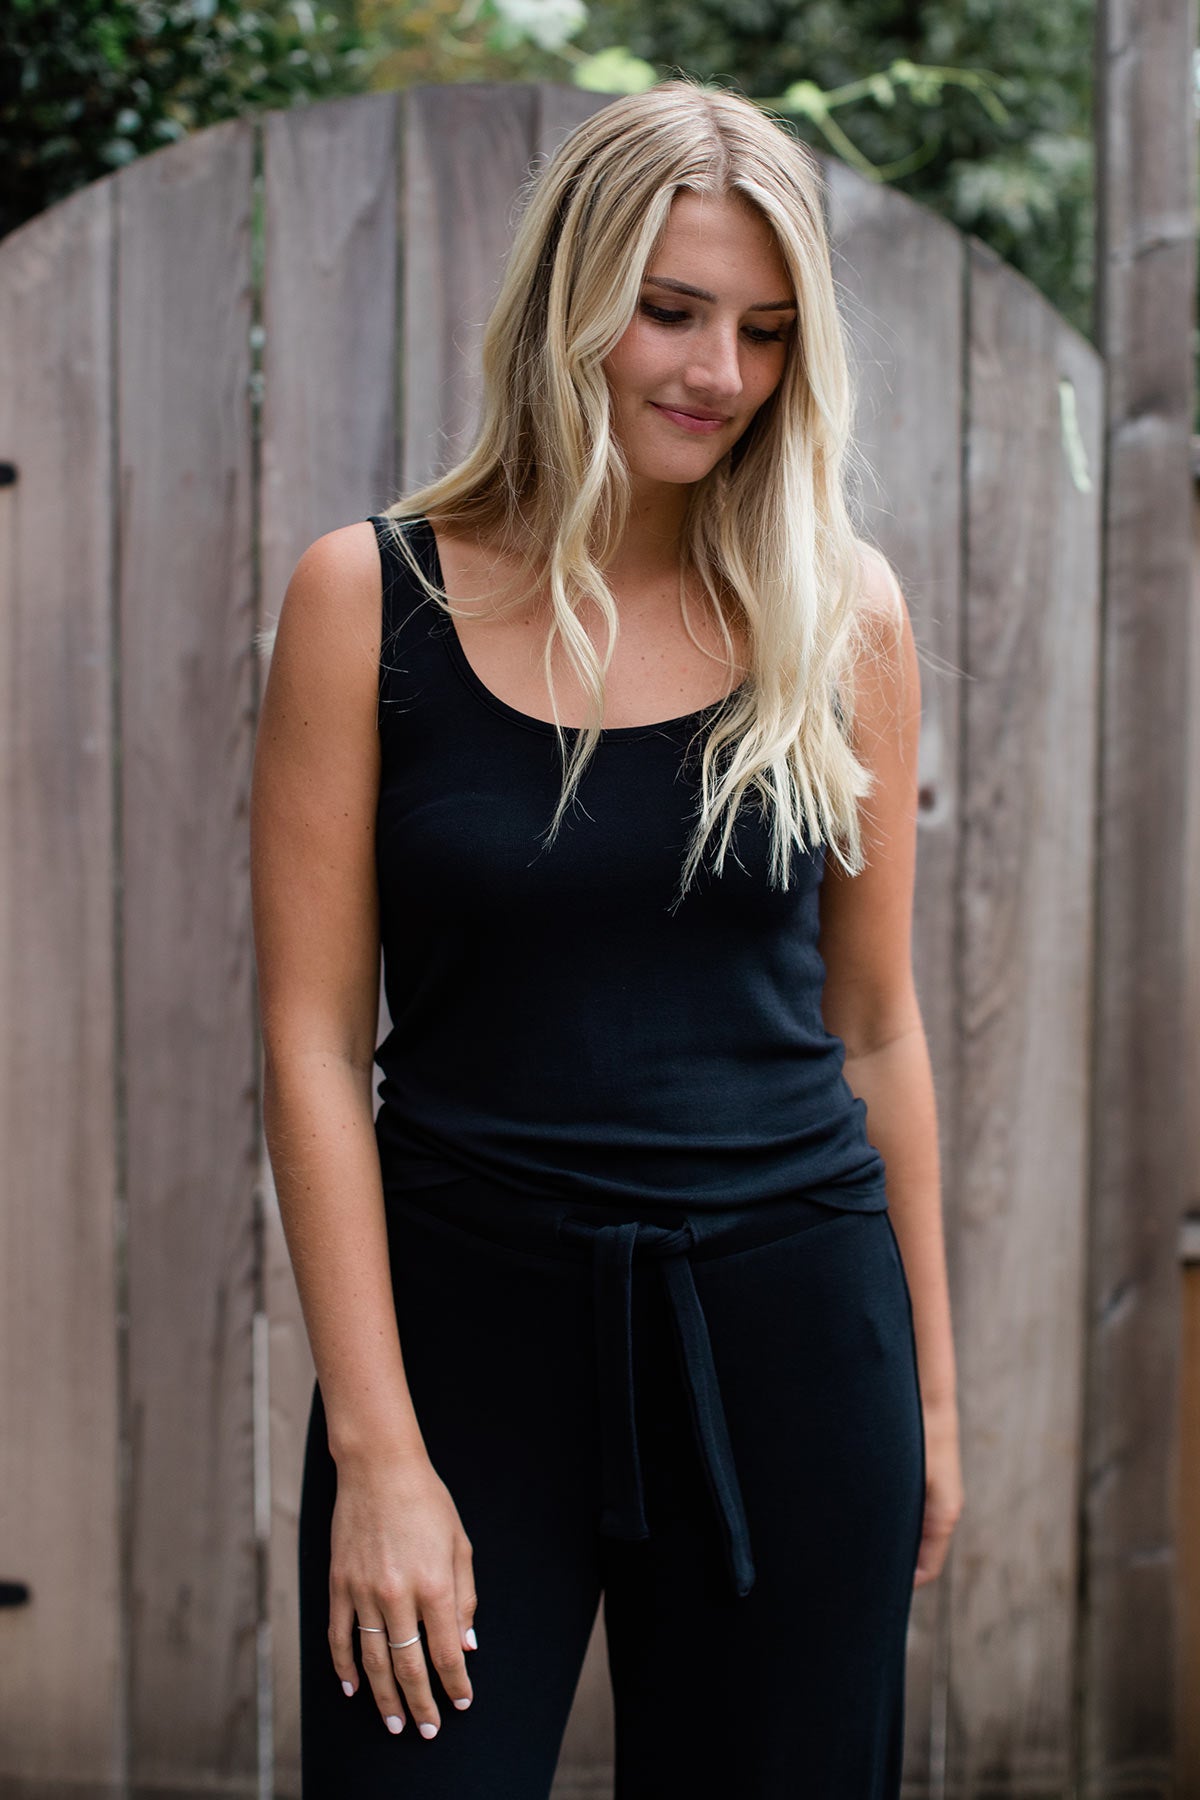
x: 807, y: 98
x: 615, y: 71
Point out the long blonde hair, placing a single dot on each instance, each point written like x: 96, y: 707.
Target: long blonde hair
x: 547, y: 483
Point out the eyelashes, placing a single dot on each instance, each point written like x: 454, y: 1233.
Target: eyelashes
x: 664, y: 316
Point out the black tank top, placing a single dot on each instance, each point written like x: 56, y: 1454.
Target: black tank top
x: 556, y: 1027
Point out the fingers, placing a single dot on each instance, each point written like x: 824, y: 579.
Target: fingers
x: 464, y: 1585
x: 444, y: 1637
x: 341, y: 1639
x: 396, y: 1658
x: 397, y: 1669
x: 381, y: 1664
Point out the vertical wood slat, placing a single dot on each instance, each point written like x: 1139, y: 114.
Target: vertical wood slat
x: 328, y: 435
x: 1187, y: 1497
x: 1145, y: 1143
x: 899, y: 270
x: 60, y: 1414
x: 1187, y: 1490
x: 559, y: 111
x: 190, y: 1059
x: 1034, y: 446
x: 466, y: 153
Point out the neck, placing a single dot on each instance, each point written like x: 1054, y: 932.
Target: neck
x: 650, y: 548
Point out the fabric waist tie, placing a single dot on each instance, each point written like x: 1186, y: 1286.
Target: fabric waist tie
x: 623, y: 1512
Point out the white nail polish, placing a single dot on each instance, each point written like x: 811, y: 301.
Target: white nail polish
x: 428, y: 1730
x: 470, y: 1636
x: 394, y: 1724
x: 463, y: 1704
x: 347, y: 1687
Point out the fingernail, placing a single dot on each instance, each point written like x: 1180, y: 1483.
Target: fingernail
x: 427, y: 1730
x: 347, y: 1687
x: 462, y: 1705
x: 394, y: 1724
x: 471, y: 1639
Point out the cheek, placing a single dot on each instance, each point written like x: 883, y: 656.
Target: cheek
x: 636, y: 361
x: 771, y: 380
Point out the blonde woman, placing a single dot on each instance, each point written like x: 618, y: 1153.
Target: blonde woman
x: 635, y: 1287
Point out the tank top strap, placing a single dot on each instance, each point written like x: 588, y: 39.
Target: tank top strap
x: 410, y: 619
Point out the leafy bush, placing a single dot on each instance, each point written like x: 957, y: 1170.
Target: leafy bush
x: 87, y: 85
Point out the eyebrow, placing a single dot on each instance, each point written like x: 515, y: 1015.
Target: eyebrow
x: 683, y: 287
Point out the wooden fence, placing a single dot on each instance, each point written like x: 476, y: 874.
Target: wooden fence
x: 207, y: 360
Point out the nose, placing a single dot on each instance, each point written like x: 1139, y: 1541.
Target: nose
x: 715, y: 369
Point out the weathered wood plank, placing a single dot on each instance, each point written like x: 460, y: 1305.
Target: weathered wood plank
x: 1145, y: 1139
x: 329, y: 310
x: 1030, y: 637
x: 60, y: 1414
x: 1187, y: 1674
x: 1187, y: 1683
x: 899, y: 270
x: 186, y: 970
x: 559, y: 111
x: 466, y: 153
x: 16, y: 1787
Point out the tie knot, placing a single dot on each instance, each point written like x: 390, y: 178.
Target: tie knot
x: 638, y: 1237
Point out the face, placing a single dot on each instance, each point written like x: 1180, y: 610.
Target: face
x: 693, y: 368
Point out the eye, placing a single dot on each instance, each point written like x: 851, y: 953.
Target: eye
x: 662, y: 316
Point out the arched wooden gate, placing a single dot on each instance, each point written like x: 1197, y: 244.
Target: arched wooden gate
x: 206, y: 360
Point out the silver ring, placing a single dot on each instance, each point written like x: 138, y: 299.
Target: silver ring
x: 405, y: 1644
x: 372, y: 1628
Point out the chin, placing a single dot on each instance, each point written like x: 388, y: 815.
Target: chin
x: 680, y: 471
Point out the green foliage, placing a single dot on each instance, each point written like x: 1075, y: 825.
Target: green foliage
x: 87, y: 85
x: 470, y: 40
x: 615, y: 72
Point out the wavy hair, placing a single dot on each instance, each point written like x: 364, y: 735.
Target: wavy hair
x: 768, y: 530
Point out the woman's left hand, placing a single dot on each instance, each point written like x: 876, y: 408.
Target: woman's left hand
x: 943, y: 1488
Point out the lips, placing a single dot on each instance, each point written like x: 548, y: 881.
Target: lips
x: 705, y: 418
x: 691, y: 423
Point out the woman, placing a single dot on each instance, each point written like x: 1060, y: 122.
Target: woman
x: 608, y: 736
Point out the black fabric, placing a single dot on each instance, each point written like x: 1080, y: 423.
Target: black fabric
x: 556, y: 1027
x: 653, y: 1314
x: 791, y: 1690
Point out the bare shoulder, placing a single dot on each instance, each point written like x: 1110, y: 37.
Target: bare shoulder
x: 334, y: 596
x: 319, y: 715
x: 321, y: 697
x: 866, y: 919
x: 879, y: 580
x: 887, y: 674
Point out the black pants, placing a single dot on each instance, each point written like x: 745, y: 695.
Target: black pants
x: 715, y: 1423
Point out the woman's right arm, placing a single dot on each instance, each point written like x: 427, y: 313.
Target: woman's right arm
x: 399, y: 1550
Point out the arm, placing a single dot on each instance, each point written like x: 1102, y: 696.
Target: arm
x: 316, y: 935
x: 870, y: 1002
x: 399, y: 1553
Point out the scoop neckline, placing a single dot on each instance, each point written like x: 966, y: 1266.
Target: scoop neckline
x: 608, y: 733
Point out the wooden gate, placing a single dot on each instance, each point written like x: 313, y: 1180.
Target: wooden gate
x: 207, y: 360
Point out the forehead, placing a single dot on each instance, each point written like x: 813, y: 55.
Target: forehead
x: 722, y: 242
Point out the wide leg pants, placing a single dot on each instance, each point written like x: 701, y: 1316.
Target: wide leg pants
x: 711, y: 1420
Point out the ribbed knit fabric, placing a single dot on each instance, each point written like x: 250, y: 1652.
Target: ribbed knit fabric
x: 556, y: 1027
